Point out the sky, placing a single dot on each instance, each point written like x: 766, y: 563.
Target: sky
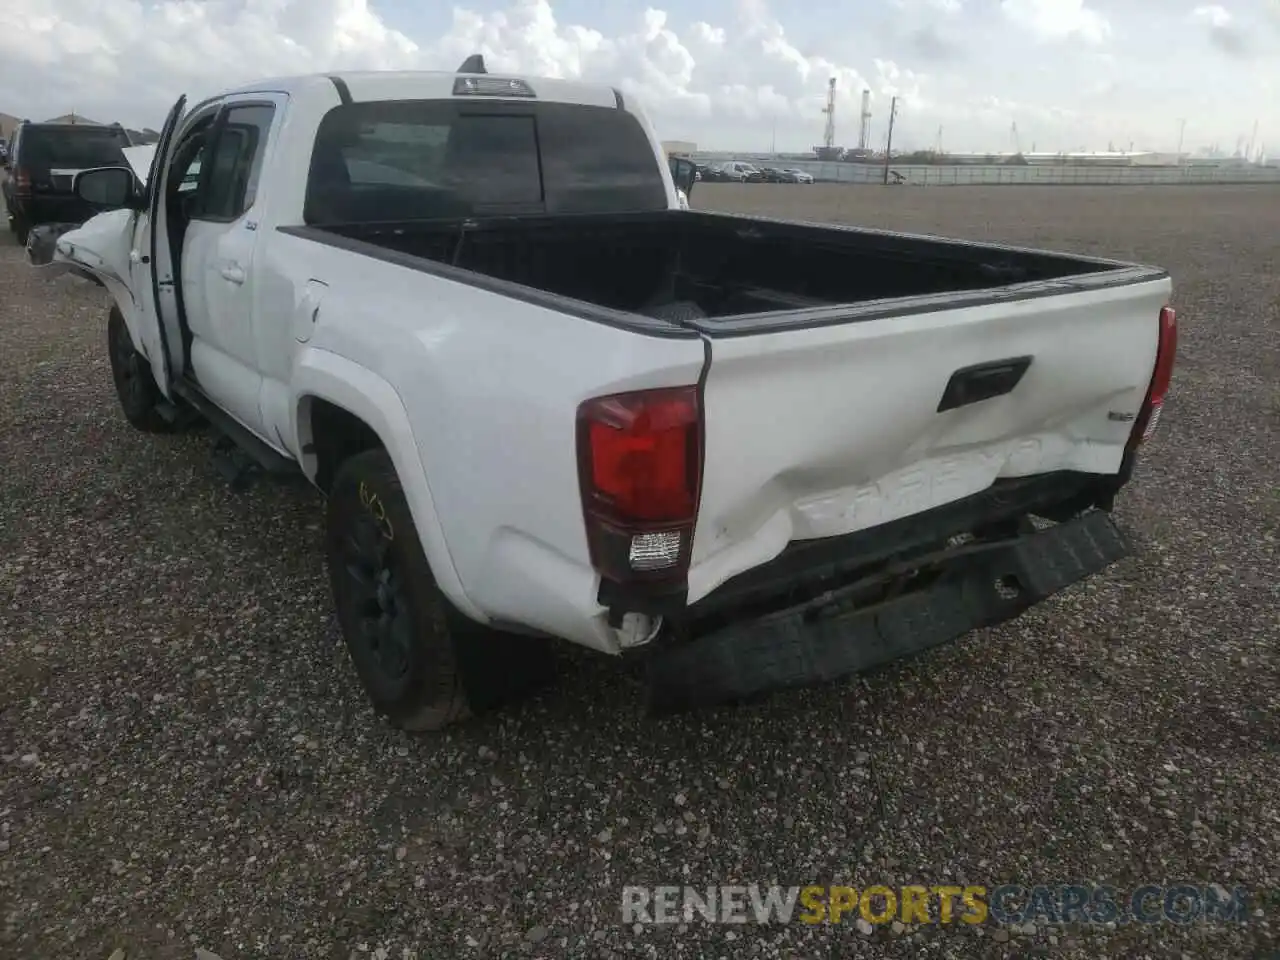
x: 725, y: 74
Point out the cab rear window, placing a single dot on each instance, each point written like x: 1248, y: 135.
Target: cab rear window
x: 426, y: 159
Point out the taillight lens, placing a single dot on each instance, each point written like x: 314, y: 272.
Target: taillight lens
x: 639, y: 468
x: 21, y: 181
x: 1166, y: 351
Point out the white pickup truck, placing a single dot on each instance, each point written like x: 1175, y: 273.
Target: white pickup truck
x: 544, y: 401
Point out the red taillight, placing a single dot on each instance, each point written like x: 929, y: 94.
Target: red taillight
x: 639, y: 468
x: 1166, y: 351
x: 21, y: 181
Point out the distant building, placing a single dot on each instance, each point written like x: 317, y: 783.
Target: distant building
x: 7, y: 125
x: 679, y: 148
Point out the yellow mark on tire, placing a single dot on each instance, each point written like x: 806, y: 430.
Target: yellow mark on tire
x: 373, y: 503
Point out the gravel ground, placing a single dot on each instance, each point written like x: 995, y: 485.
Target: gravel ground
x: 186, y: 759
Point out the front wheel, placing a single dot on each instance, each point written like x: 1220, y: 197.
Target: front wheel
x: 136, y: 388
x: 423, y: 664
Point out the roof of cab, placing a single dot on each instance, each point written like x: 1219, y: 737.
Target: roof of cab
x: 426, y: 85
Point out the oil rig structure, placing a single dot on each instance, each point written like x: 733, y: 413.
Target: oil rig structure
x: 829, y: 150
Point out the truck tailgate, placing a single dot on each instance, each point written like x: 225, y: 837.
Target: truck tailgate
x: 822, y: 430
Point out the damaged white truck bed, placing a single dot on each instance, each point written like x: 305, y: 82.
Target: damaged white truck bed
x: 545, y: 402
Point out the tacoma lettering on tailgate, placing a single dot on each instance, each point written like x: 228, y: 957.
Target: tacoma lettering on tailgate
x: 922, y: 486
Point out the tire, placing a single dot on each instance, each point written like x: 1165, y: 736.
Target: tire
x: 423, y: 664
x: 136, y: 388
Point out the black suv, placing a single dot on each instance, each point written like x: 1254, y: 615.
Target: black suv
x: 43, y: 161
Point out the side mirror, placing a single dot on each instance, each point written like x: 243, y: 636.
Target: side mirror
x: 684, y: 173
x: 108, y: 187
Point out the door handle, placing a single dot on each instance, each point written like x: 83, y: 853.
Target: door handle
x: 983, y: 382
x: 233, y: 272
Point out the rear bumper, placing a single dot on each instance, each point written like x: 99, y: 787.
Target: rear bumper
x: 837, y: 634
x: 810, y: 567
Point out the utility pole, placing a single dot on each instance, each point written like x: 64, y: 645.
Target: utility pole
x: 888, y: 146
x: 773, y: 144
x: 1182, y: 129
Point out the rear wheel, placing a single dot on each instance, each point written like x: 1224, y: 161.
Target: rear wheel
x: 136, y: 388
x: 423, y: 664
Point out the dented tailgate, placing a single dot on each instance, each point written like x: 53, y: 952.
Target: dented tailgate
x: 822, y: 430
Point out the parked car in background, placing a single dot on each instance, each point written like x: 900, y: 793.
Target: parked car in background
x: 42, y: 165
x: 683, y: 170
x: 739, y: 171
x: 785, y: 175
x: 735, y: 171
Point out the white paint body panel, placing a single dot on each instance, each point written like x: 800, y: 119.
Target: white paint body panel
x: 826, y: 431
x: 810, y: 433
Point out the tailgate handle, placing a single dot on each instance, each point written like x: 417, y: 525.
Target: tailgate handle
x: 982, y: 382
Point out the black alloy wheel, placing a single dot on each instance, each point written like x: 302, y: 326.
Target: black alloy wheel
x: 423, y: 664
x: 136, y: 388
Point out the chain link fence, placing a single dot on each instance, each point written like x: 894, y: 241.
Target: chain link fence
x: 939, y: 175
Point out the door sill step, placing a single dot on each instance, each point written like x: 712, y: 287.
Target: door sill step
x: 242, y: 454
x: 178, y: 416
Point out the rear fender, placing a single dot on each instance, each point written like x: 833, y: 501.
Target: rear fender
x: 322, y: 375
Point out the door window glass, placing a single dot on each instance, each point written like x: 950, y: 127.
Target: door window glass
x: 230, y: 185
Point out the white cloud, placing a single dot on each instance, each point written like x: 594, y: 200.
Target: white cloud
x: 131, y: 53
x: 949, y: 7
x: 1212, y: 14
x: 1059, y: 19
x: 737, y: 81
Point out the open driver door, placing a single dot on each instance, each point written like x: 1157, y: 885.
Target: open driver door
x: 158, y: 333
